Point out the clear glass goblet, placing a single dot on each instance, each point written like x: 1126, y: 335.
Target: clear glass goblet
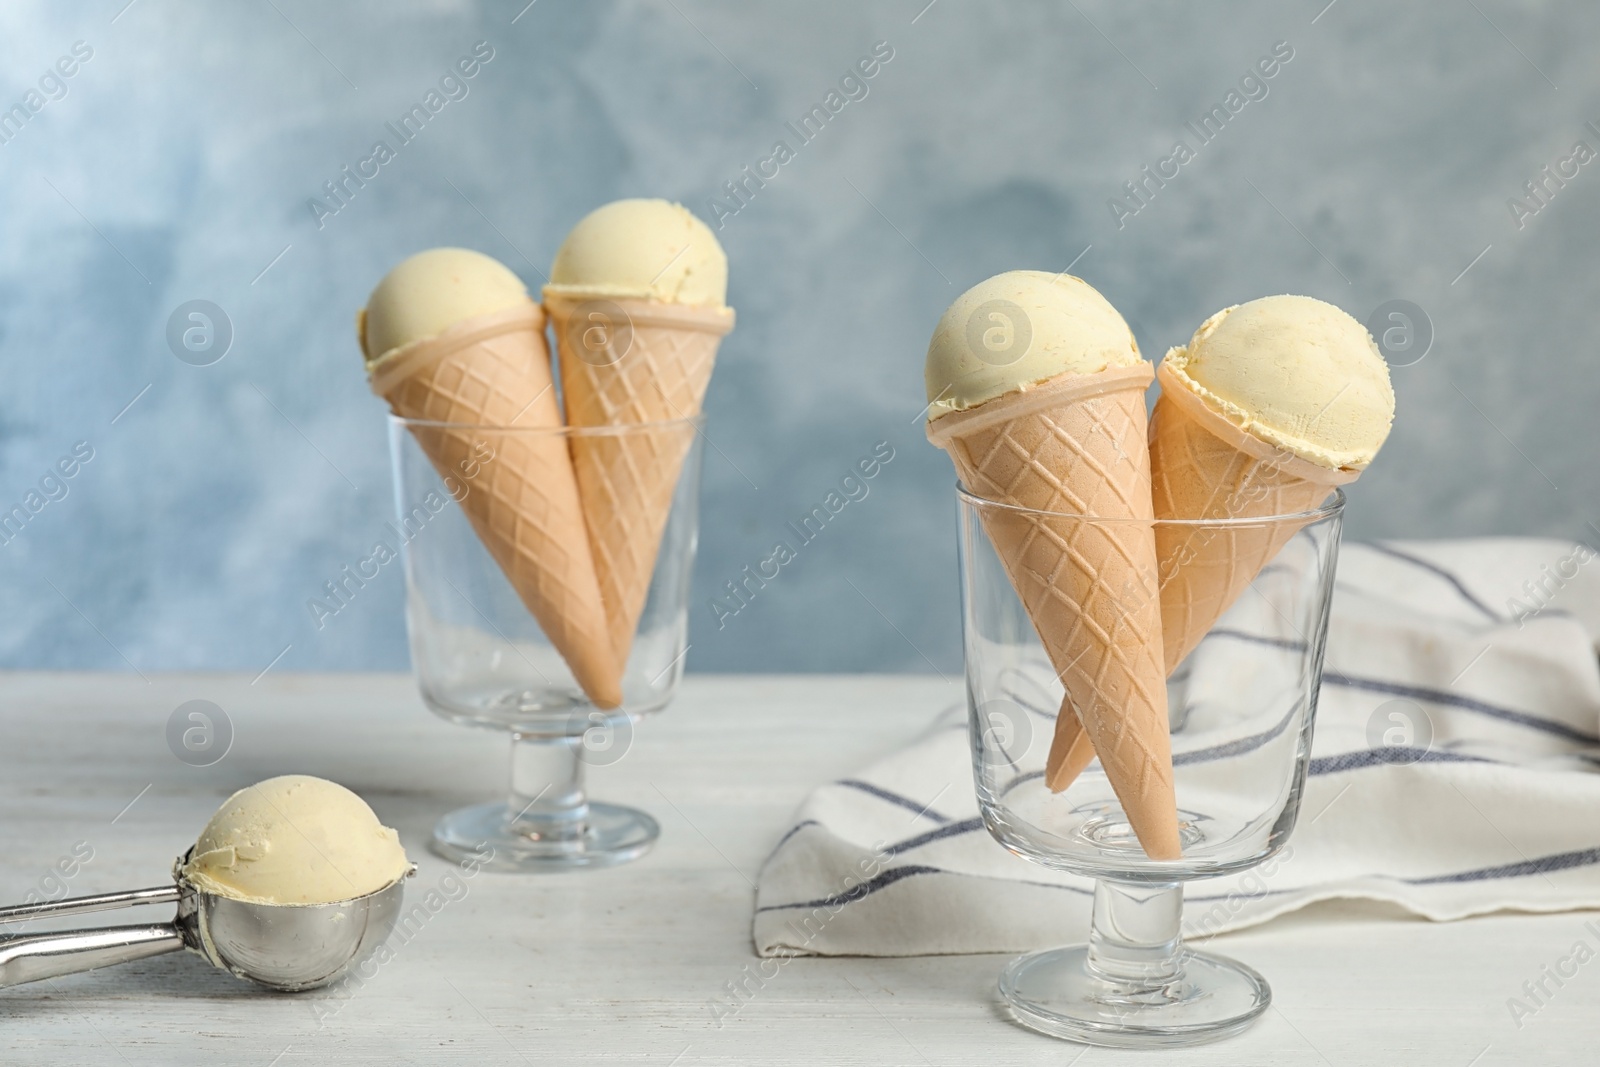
x: 1241, y: 709
x: 481, y: 658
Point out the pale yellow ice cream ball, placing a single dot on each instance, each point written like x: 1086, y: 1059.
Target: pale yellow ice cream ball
x: 295, y: 840
x: 1296, y: 372
x: 1018, y: 329
x: 642, y: 250
x: 431, y: 291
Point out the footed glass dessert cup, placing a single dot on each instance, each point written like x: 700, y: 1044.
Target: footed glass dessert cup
x: 480, y: 654
x: 1241, y: 708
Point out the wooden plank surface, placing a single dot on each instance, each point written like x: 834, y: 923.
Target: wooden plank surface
x: 626, y: 966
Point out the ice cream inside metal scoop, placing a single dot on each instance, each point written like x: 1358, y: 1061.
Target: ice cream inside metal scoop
x: 293, y: 882
x: 294, y: 840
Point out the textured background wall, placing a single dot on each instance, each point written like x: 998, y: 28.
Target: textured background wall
x: 179, y: 162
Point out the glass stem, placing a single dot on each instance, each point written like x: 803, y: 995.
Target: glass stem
x: 547, y: 801
x: 1135, y: 936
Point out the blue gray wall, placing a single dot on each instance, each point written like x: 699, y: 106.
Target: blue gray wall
x: 176, y: 163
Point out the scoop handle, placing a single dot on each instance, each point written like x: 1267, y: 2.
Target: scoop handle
x: 34, y: 957
x: 50, y: 909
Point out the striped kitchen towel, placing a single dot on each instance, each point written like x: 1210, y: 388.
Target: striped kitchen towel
x: 1487, y: 644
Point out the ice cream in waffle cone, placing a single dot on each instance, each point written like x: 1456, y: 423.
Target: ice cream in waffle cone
x: 460, y: 345
x: 1037, y: 393
x: 1270, y: 406
x: 636, y: 299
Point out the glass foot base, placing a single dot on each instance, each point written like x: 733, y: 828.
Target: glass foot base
x: 607, y: 836
x: 1054, y: 993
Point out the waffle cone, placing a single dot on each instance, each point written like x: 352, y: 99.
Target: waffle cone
x: 494, y: 371
x: 629, y: 362
x: 1070, y: 749
x: 1076, y: 446
x: 1205, y: 467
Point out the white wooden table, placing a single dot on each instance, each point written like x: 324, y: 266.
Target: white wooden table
x: 623, y: 966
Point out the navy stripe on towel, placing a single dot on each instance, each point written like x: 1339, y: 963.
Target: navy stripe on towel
x: 1377, y: 757
x: 1258, y: 639
x: 892, y: 798
x: 1465, y: 703
x: 1235, y: 748
x: 865, y: 889
x: 896, y: 874
x: 1434, y: 568
x: 955, y: 829
x: 784, y: 840
x: 1560, y: 861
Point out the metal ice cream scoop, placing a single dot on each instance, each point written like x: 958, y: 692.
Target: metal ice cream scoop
x: 289, y: 947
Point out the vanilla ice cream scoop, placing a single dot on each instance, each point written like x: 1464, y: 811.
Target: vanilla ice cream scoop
x: 431, y: 291
x: 641, y: 250
x: 1295, y: 372
x: 1018, y: 329
x: 295, y: 840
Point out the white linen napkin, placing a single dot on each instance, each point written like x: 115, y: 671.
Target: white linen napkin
x: 1493, y: 639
